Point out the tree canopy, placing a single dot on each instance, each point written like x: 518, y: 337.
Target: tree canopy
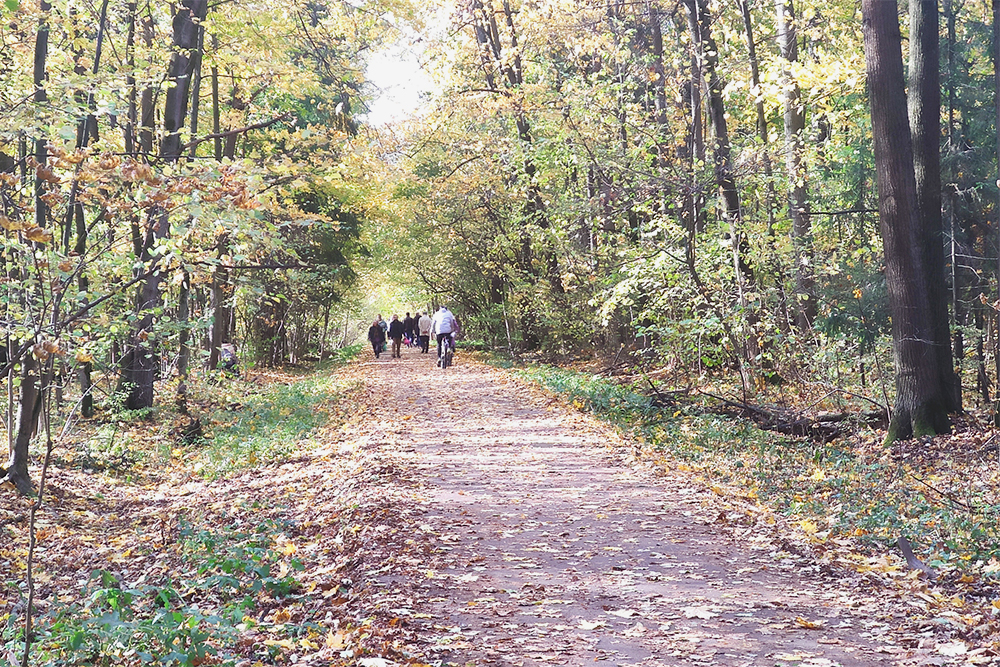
x: 693, y: 183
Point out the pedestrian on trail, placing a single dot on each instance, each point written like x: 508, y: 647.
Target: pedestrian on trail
x: 385, y: 330
x: 376, y: 337
x: 408, y: 329
x: 396, y: 334
x: 424, y: 324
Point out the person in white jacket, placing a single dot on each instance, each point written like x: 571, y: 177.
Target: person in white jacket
x: 424, y: 324
x: 444, y: 326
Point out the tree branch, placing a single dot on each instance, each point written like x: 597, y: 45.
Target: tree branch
x: 228, y: 133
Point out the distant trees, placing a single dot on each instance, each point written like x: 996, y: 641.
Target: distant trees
x: 651, y: 151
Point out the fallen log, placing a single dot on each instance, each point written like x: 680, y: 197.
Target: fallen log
x: 821, y: 426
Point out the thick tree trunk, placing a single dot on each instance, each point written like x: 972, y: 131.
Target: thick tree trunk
x: 196, y: 59
x: 921, y: 406
x: 924, y: 102
x: 798, y: 194
x: 183, y: 62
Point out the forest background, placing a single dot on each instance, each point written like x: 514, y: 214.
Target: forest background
x: 685, y: 191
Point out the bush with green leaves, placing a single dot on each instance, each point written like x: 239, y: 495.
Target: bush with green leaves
x: 175, y: 621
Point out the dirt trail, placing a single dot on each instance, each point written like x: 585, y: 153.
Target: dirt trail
x: 539, y: 542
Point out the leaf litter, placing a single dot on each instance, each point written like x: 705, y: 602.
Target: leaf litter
x: 499, y: 528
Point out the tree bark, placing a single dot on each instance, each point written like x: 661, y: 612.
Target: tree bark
x: 147, y: 120
x: 798, y: 193
x: 30, y: 398
x: 141, y: 362
x: 921, y: 405
x: 183, y: 62
x: 924, y: 104
x: 28, y: 410
x: 996, y: 106
x: 221, y: 311
x: 183, y: 315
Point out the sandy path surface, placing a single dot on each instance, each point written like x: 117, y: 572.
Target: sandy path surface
x: 537, y: 540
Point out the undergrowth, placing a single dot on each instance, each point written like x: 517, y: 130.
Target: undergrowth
x: 851, y: 487
x: 196, y: 612
x: 260, y: 425
x: 187, y: 618
x: 243, y: 422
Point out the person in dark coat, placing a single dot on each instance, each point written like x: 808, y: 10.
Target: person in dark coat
x: 396, y: 335
x: 377, y: 338
x: 408, y: 323
x: 385, y: 329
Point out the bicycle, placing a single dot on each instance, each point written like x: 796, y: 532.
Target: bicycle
x: 446, y: 355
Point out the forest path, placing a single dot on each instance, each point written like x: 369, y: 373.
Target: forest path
x: 537, y: 541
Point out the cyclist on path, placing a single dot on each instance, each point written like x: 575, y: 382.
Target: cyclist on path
x: 444, y: 326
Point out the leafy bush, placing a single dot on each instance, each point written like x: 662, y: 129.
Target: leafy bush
x: 154, y: 623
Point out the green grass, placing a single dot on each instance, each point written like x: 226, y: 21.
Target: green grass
x: 848, y: 488
x: 269, y: 424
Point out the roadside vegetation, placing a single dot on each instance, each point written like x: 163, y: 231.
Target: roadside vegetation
x: 127, y: 572
x: 940, y: 494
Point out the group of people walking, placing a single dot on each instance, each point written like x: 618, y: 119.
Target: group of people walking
x: 412, y: 331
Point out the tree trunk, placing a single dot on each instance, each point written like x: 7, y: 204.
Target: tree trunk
x: 996, y: 106
x: 30, y: 398
x: 28, y: 410
x: 86, y: 131
x: 216, y: 111
x: 221, y: 310
x: 798, y: 194
x: 196, y: 59
x: 921, y: 405
x: 663, y: 134
x: 141, y: 362
x: 183, y: 317
x: 147, y: 120
x: 183, y: 62
x: 706, y: 55
x: 924, y: 103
